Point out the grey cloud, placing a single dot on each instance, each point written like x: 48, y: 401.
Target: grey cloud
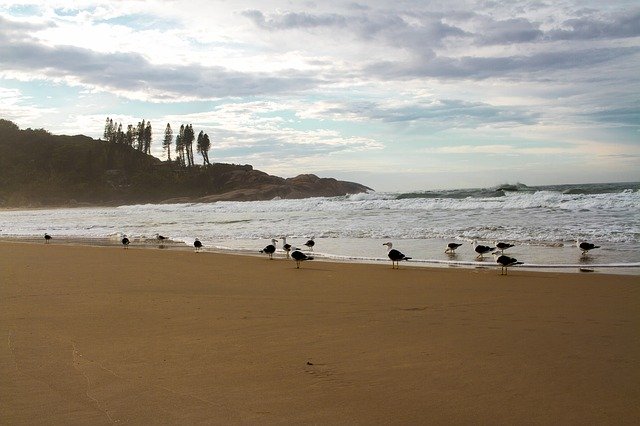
x: 133, y: 72
x: 487, y: 67
x: 459, y: 114
x: 456, y: 113
x: 292, y: 20
x: 390, y: 27
x: 587, y: 28
x: 509, y: 31
x: 627, y: 116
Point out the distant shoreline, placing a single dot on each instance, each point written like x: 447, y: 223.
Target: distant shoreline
x: 618, y: 269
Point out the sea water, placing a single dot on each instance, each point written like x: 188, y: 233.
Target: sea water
x: 542, y: 222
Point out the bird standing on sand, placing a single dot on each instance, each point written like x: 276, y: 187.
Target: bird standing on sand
x: 160, y: 238
x: 505, y: 262
x: 270, y: 249
x: 585, y: 247
x: 395, y: 255
x: 299, y: 256
x: 310, y: 243
x: 125, y: 241
x: 503, y: 246
x: 286, y: 247
x: 451, y: 248
x: 197, y: 244
x: 481, y: 250
x: 47, y: 238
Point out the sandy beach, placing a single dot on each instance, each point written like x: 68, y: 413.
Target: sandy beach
x: 102, y: 335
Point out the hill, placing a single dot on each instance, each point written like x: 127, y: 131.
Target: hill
x: 38, y: 169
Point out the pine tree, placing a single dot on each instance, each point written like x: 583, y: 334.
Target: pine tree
x: 203, y: 147
x: 140, y: 135
x: 180, y: 146
x: 129, y: 136
x: 166, y: 143
x: 187, y: 140
x: 107, y: 130
x: 147, y: 138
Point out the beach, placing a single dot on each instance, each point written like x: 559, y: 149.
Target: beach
x: 103, y: 335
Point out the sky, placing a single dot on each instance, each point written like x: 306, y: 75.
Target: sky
x: 398, y: 95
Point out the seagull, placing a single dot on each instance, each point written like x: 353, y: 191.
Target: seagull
x: 395, y: 255
x: 310, y: 243
x: 481, y: 250
x: 299, y: 256
x: 585, y: 247
x: 270, y: 249
x: 503, y: 246
x: 505, y: 262
x: 160, y: 238
x: 197, y: 244
x: 286, y: 247
x: 451, y: 248
x: 125, y: 241
x: 47, y: 238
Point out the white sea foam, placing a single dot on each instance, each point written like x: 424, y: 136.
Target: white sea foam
x: 352, y: 226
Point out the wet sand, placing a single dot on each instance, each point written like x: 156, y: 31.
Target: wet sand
x: 102, y: 335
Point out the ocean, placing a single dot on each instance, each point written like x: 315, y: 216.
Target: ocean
x: 543, y: 222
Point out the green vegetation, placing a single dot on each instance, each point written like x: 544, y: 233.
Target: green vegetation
x: 41, y: 169
x: 38, y: 168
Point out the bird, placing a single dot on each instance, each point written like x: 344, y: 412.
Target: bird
x: 299, y: 256
x: 160, y: 238
x: 451, y: 248
x: 395, y: 255
x: 125, y: 241
x: 47, y: 238
x: 503, y: 246
x: 310, y: 243
x: 481, y: 250
x: 505, y: 262
x: 286, y: 247
x: 270, y: 249
x: 585, y: 247
x: 197, y: 244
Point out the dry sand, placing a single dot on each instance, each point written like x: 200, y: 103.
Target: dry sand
x: 100, y: 335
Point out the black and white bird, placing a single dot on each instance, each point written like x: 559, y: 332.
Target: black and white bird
x: 503, y: 246
x: 310, y: 243
x: 47, y: 238
x: 481, y: 250
x: 505, y: 262
x: 286, y: 246
x: 395, y: 255
x: 125, y: 241
x: 585, y: 247
x: 299, y: 256
x: 451, y: 248
x: 197, y: 244
x: 160, y: 238
x: 270, y: 249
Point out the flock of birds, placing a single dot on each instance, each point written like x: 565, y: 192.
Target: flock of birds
x: 394, y: 255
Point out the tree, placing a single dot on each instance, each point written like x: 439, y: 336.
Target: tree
x: 130, y: 135
x: 187, y: 140
x: 140, y: 135
x: 147, y: 138
x: 107, y: 129
x: 180, y: 145
x: 166, y: 143
x: 203, y: 146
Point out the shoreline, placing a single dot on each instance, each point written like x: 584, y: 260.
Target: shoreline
x: 150, y: 244
x: 98, y: 335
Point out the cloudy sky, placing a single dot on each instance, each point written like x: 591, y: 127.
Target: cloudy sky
x: 398, y: 95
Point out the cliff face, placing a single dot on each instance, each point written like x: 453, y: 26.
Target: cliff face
x: 40, y: 169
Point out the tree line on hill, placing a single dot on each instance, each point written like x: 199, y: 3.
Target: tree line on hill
x: 139, y: 137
